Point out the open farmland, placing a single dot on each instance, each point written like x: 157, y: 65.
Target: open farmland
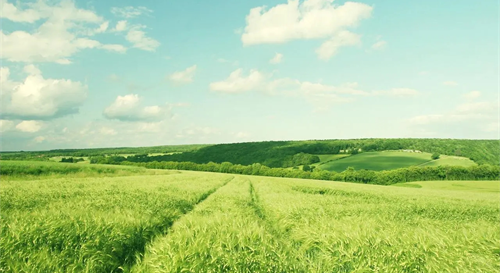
x: 182, y: 221
x: 389, y: 160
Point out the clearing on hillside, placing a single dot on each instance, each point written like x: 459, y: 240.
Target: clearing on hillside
x: 389, y: 160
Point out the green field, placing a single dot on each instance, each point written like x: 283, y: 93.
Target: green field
x: 471, y: 186
x: 389, y: 160
x: 209, y: 222
x: 450, y: 161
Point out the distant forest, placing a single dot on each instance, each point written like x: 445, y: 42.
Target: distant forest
x: 282, y: 154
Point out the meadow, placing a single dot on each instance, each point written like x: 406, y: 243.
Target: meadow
x: 184, y: 221
x: 390, y: 160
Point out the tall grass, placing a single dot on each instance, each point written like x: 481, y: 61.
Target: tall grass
x: 28, y: 170
x: 93, y: 224
x: 210, y: 222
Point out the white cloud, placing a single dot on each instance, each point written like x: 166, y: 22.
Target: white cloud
x: 129, y: 108
x: 55, y: 40
x: 102, y: 28
x: 278, y: 58
x: 379, y: 45
x: 39, y: 98
x: 6, y: 125
x: 39, y: 139
x: 130, y: 12
x: 329, y: 48
x: 346, y: 88
x: 311, y: 19
x: 237, y: 83
x: 450, y: 83
x: 472, y: 95
x: 115, y: 47
x: 121, y: 25
x: 139, y: 39
x: 397, y: 92
x: 12, y: 13
x: 185, y: 76
x: 477, y: 113
x: 29, y: 126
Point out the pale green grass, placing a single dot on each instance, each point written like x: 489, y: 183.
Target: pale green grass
x: 92, y: 224
x: 340, y: 227
x: 252, y: 224
x: 445, y: 160
x: 223, y: 234
x: 475, y: 186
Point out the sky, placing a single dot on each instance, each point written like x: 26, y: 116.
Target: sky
x: 118, y: 73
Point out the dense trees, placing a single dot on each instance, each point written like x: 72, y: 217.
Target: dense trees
x: 295, y: 153
x: 481, y: 172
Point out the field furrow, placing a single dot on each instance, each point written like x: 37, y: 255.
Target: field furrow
x: 338, y: 227
x: 223, y: 234
x: 92, y: 225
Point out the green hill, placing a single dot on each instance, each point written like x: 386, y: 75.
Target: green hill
x: 284, y: 153
x: 389, y: 160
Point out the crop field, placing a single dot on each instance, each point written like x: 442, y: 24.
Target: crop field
x: 450, y: 161
x: 389, y: 160
x: 470, y: 186
x: 24, y: 170
x: 182, y: 221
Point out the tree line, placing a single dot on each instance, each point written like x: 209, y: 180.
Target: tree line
x: 283, y: 154
x: 480, y: 172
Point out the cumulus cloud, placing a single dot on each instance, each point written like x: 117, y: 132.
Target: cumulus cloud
x: 278, y: 58
x: 64, y: 33
x: 185, y: 76
x: 329, y: 48
x: 316, y: 93
x: 29, y: 126
x: 13, y: 13
x: 140, y: 40
x: 130, y: 12
x: 121, y: 25
x: 237, y: 82
x: 311, y: 19
x: 37, y: 98
x: 129, y: 108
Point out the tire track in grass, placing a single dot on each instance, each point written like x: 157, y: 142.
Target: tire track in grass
x: 301, y: 263
x: 224, y: 234
x: 164, y: 229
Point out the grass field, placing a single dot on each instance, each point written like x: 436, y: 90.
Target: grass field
x: 389, y: 160
x: 470, y: 186
x: 209, y: 222
x: 449, y: 160
x: 29, y: 170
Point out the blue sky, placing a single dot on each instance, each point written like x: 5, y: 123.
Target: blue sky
x: 78, y: 74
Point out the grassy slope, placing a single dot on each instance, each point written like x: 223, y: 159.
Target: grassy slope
x: 91, y: 224
x: 256, y: 223
x: 377, y: 161
x: 471, y: 186
x: 450, y: 161
x: 30, y: 170
x: 388, y: 160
